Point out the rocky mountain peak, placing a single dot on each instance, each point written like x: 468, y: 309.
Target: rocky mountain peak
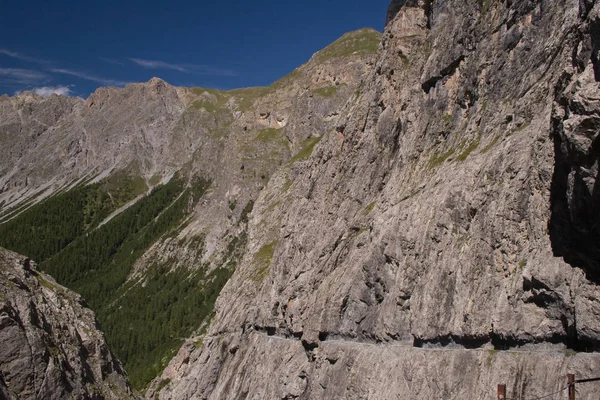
x: 396, y: 5
x: 30, y: 96
x: 362, y: 41
x: 154, y: 81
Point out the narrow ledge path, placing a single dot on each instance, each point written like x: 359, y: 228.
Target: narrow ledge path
x: 533, y: 348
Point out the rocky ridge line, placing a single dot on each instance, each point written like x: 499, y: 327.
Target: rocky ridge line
x: 149, y: 132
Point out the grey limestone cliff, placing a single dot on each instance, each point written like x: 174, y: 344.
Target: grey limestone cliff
x: 51, y: 345
x: 443, y: 239
x: 424, y: 221
x: 150, y: 132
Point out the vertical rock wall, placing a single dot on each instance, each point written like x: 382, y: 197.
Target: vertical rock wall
x: 443, y: 239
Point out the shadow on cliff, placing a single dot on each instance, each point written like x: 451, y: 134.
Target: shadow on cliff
x: 574, y: 225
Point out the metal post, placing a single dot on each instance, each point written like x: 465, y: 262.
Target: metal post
x: 501, y: 392
x: 571, y: 379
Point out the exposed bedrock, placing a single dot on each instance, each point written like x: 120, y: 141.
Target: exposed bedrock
x: 443, y: 239
x: 51, y: 347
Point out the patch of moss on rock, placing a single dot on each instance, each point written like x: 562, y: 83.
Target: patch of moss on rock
x: 470, y: 148
x: 438, y: 159
x: 490, y: 144
x: 369, y: 208
x: 262, y: 261
x: 306, y: 151
x: 326, y: 92
x: 269, y: 135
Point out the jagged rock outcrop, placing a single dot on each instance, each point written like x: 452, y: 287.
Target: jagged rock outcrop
x: 51, y: 345
x: 443, y: 239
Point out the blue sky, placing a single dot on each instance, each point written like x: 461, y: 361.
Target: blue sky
x: 73, y: 47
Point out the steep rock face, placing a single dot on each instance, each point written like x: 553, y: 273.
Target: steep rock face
x: 146, y: 134
x: 443, y: 239
x: 574, y: 224
x: 51, y: 345
x: 257, y: 131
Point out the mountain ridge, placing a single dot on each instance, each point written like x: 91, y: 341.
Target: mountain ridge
x: 127, y: 153
x: 424, y: 206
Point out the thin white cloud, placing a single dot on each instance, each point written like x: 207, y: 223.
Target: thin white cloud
x: 93, y: 78
x: 187, y: 68
x: 153, y: 64
x: 46, y: 91
x: 20, y: 75
x: 22, y: 57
